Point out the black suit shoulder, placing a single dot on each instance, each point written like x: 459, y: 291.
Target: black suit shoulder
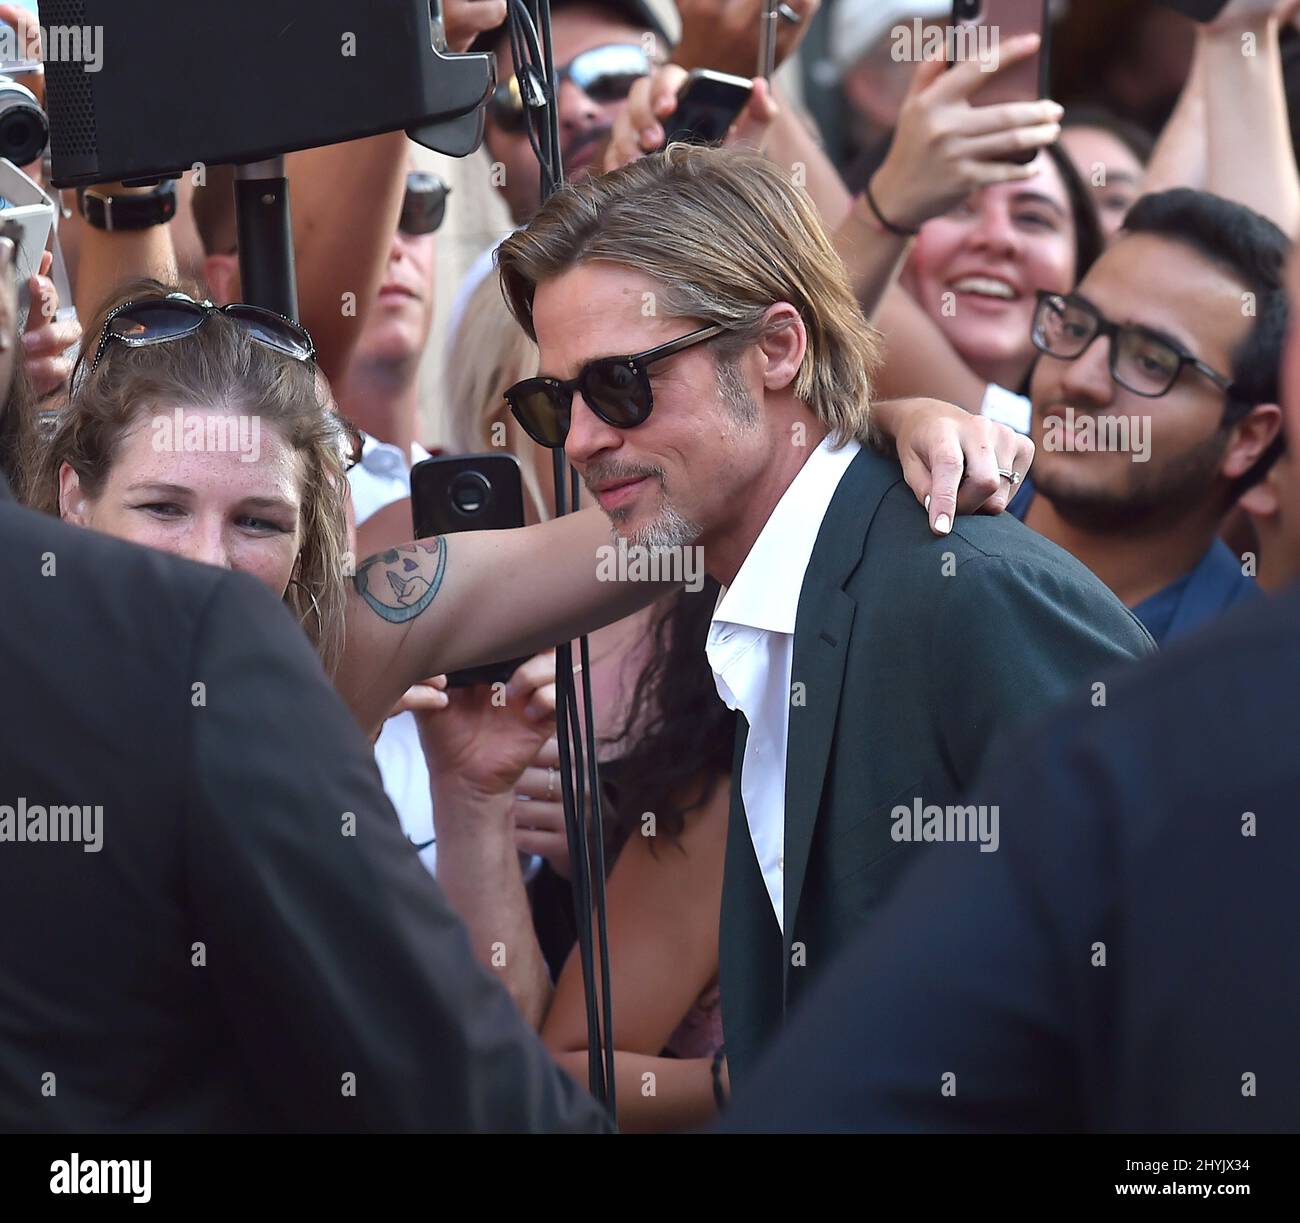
x: 1004, y: 549
x: 970, y: 634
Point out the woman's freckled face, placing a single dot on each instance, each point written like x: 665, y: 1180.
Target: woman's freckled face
x: 236, y: 505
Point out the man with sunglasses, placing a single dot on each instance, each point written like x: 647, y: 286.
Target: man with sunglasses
x: 713, y: 392
x: 601, y: 48
x: 1154, y: 399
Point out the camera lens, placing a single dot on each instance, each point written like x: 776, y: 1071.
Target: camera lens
x: 470, y: 492
x: 24, y: 129
x: 968, y: 9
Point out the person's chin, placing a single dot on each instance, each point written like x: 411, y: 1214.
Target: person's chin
x: 1081, y: 488
x: 392, y: 339
x: 984, y: 341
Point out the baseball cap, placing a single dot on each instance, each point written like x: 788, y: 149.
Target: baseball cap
x: 660, y: 17
x: 857, y: 25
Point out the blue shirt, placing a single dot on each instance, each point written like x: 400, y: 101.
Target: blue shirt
x: 1200, y: 596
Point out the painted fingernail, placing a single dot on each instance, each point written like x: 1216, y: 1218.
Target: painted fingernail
x: 943, y: 524
x: 927, y: 501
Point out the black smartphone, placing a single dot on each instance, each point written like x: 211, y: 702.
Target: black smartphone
x: 473, y: 492
x: 707, y: 105
x: 982, y: 25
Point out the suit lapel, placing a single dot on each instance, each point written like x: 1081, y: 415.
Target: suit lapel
x: 821, y: 647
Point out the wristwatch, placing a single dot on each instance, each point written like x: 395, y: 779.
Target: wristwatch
x: 117, y: 213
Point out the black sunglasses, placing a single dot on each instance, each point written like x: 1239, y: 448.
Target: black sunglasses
x: 616, y: 389
x: 605, y: 74
x: 425, y: 207
x: 1141, y: 360
x: 160, y: 320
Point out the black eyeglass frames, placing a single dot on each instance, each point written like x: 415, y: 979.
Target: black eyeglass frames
x: 1141, y: 360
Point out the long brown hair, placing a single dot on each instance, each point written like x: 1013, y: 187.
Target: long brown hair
x: 220, y: 365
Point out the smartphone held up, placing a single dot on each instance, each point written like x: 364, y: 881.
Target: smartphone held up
x: 985, y: 25
x: 475, y: 492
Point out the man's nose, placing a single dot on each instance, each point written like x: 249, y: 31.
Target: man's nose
x: 589, y: 437
x: 1087, y: 379
x: 577, y: 110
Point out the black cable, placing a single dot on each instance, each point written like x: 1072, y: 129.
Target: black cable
x: 533, y: 51
x: 575, y: 826
x: 598, y: 847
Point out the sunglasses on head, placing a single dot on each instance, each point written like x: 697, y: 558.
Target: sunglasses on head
x: 425, y: 207
x: 604, y: 74
x: 160, y: 320
x: 616, y: 389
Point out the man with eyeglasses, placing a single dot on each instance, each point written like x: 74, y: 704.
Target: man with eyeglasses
x: 1155, y: 404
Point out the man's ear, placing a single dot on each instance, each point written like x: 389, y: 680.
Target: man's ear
x: 1250, y: 437
x: 73, y: 502
x: 783, y: 345
x: 222, y: 275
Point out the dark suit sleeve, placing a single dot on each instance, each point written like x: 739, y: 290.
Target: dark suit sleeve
x: 345, y: 978
x: 1013, y: 638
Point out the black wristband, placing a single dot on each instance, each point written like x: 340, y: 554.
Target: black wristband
x: 719, y: 1094
x: 898, y: 231
x: 122, y: 213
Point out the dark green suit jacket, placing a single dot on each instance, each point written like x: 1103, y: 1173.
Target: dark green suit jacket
x: 913, y: 653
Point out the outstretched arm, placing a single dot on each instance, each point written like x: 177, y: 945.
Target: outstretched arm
x: 441, y: 604
x: 437, y: 605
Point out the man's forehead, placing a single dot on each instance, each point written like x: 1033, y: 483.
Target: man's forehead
x: 594, y: 310
x: 1165, y: 284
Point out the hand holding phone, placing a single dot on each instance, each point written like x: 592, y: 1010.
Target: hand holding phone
x: 475, y: 492
x: 945, y: 147
x: 726, y: 35
x: 988, y: 25
x: 708, y: 103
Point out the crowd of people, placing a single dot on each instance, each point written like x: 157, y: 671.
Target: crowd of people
x: 874, y: 792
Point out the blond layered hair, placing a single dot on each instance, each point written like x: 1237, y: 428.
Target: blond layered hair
x: 727, y: 234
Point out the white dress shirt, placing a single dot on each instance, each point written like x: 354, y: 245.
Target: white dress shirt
x: 382, y: 477
x: 751, y: 649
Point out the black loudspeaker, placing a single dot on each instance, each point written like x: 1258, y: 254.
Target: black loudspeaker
x: 233, y: 81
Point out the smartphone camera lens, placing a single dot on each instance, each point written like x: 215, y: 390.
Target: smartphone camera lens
x: 470, y: 493
x: 968, y: 10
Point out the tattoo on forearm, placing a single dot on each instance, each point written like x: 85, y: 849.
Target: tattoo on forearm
x: 401, y: 583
